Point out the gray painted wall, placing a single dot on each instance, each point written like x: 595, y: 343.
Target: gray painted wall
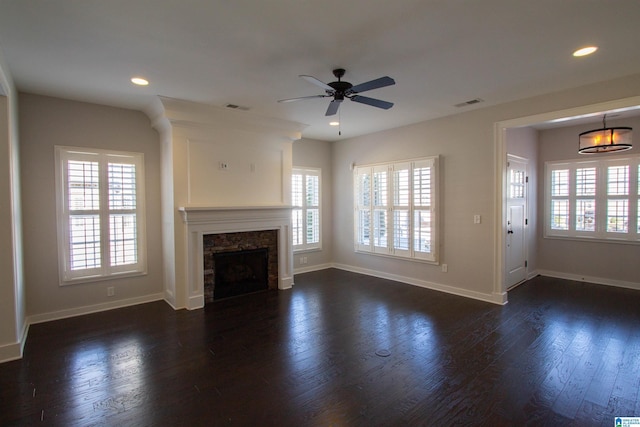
x: 317, y: 154
x: 44, y: 123
x: 13, y: 323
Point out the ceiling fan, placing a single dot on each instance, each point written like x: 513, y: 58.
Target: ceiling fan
x: 340, y: 90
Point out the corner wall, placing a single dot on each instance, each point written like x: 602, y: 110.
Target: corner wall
x: 46, y: 122
x: 317, y: 154
x: 13, y: 324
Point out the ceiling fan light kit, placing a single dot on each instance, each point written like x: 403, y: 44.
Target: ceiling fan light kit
x: 340, y: 90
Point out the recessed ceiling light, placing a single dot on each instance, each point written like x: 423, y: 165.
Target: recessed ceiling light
x: 139, y: 81
x: 334, y: 123
x: 585, y: 51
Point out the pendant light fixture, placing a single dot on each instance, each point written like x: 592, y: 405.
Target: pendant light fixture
x: 605, y: 140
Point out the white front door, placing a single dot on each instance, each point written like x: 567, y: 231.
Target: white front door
x: 516, y: 235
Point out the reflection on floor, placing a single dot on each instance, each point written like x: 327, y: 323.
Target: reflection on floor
x: 339, y: 349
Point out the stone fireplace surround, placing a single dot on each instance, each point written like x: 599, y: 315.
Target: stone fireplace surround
x: 215, y: 245
x: 201, y: 221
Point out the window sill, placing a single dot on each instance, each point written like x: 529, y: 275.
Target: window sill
x: 401, y: 258
x: 92, y: 279
x: 306, y: 250
x: 592, y: 239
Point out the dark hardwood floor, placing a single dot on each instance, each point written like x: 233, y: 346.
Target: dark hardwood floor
x: 561, y: 353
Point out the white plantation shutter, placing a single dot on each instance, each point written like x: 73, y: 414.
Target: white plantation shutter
x: 618, y: 199
x: 595, y: 199
x: 362, y: 197
x: 122, y: 214
x: 313, y: 209
x: 297, y: 195
x: 305, y: 198
x: 401, y: 220
x: 380, y: 211
x: 559, y: 215
x: 83, y: 203
x: 100, y: 211
x: 395, y: 209
x: 585, y: 199
x: 424, y: 209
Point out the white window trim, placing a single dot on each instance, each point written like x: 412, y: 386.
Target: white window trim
x: 600, y: 234
x: 388, y: 250
x: 309, y: 247
x: 105, y: 272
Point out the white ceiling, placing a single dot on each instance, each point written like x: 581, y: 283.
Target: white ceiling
x: 250, y: 52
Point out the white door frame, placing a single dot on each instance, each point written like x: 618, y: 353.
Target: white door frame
x: 500, y: 177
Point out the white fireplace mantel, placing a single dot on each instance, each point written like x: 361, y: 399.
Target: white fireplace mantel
x: 202, y: 220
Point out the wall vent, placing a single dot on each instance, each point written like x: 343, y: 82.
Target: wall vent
x: 469, y: 102
x: 237, y: 107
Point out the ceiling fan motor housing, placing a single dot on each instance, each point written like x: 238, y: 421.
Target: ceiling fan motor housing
x: 340, y: 89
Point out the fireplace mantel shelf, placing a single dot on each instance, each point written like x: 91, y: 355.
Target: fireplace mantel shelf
x: 230, y: 208
x: 210, y: 214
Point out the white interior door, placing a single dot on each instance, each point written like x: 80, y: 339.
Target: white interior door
x: 516, y: 235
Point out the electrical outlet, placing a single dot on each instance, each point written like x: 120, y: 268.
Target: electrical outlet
x: 111, y: 291
x: 445, y: 268
x: 223, y: 166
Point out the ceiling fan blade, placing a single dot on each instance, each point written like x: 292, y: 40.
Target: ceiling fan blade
x: 302, y: 97
x: 317, y: 82
x: 372, y: 101
x: 373, y: 84
x: 333, y: 108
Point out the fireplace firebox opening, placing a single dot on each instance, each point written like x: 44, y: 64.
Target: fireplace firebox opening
x: 240, y: 272
x: 237, y: 263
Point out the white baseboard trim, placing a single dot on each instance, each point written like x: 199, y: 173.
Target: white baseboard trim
x: 168, y: 298
x: 9, y: 352
x: 311, y: 268
x: 495, y: 298
x: 590, y: 279
x: 14, y: 351
x: 88, y: 309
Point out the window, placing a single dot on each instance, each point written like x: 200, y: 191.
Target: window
x: 100, y: 207
x: 598, y: 199
x: 305, y: 185
x: 396, y: 209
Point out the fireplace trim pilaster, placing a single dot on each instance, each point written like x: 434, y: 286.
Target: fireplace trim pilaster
x: 202, y: 220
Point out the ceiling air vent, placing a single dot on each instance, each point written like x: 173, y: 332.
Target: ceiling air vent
x: 469, y: 102
x: 237, y: 107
